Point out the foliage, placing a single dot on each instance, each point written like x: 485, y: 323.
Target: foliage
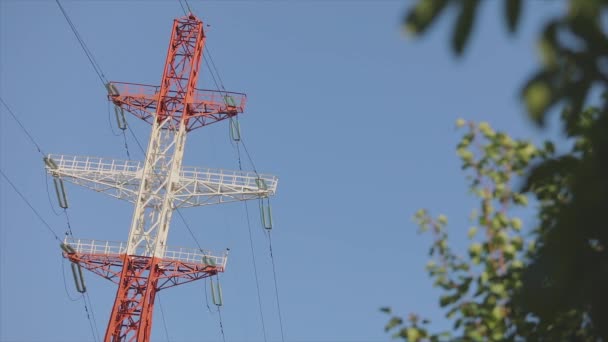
x: 563, y: 281
x: 477, y: 288
x: 573, y: 49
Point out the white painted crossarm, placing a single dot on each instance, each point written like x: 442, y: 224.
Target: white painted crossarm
x: 192, y: 187
x: 117, y: 178
x: 199, y: 186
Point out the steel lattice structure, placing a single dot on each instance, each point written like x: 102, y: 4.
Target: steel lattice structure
x: 159, y: 185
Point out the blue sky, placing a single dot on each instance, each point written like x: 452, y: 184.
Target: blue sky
x: 355, y: 119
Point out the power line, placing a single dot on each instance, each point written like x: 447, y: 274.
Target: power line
x: 65, y: 285
x: 94, y: 322
x: 30, y: 205
x: 86, y: 309
x: 69, y: 228
x: 162, y: 314
x: 84, y: 46
x: 22, y: 127
x: 219, y: 312
x: 276, y: 287
x: 255, y: 270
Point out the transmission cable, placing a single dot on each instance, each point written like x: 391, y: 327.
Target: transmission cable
x: 30, y: 205
x: 212, y: 68
x: 162, y: 315
x: 93, y: 327
x: 94, y: 321
x: 276, y: 287
x: 69, y: 228
x: 219, y: 312
x: 94, y: 64
x: 22, y: 127
x: 84, y: 46
x: 65, y: 285
x: 48, y: 195
x: 187, y: 5
x: 255, y: 269
x: 56, y: 238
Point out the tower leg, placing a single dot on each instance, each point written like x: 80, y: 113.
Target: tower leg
x: 131, y: 318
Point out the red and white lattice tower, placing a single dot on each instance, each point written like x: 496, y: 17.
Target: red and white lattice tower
x: 144, y: 264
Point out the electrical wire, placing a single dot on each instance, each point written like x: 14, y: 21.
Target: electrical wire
x: 84, y: 46
x: 65, y: 285
x: 48, y: 196
x: 276, y: 286
x: 182, y: 6
x: 30, y: 205
x: 51, y: 230
x: 86, y: 310
x: 188, y: 5
x: 67, y: 220
x: 94, y: 64
x: 22, y: 127
x: 162, y: 315
x: 255, y: 270
x: 219, y: 312
x: 94, y: 322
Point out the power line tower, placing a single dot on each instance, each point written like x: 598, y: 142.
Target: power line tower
x: 144, y: 264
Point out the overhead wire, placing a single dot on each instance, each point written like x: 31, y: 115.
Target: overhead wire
x: 65, y: 285
x: 93, y: 62
x: 162, y: 315
x: 241, y: 141
x: 219, y: 313
x: 94, y: 321
x: 253, y: 260
x: 56, y: 237
x: 69, y: 228
x: 48, y: 195
x: 93, y: 327
x: 84, y: 46
x: 48, y: 227
x: 22, y: 127
x: 276, y: 286
x: 219, y: 84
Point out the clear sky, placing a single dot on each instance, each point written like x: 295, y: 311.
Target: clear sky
x: 355, y: 119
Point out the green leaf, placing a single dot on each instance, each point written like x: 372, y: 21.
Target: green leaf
x: 485, y: 128
x: 394, y: 322
x: 385, y: 309
x: 512, y: 14
x: 413, y: 334
x: 448, y: 299
x: 516, y: 224
x: 537, y: 97
x: 475, y: 250
x: 421, y: 16
x: 471, y: 233
x: 464, y: 25
x: 460, y: 123
x: 520, y: 199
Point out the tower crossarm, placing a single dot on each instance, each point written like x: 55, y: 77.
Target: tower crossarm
x: 117, y: 178
x: 205, y: 106
x: 199, y: 186
x: 193, y: 186
x: 177, y: 265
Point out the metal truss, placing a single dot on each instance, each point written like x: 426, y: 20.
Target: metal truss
x: 193, y: 186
